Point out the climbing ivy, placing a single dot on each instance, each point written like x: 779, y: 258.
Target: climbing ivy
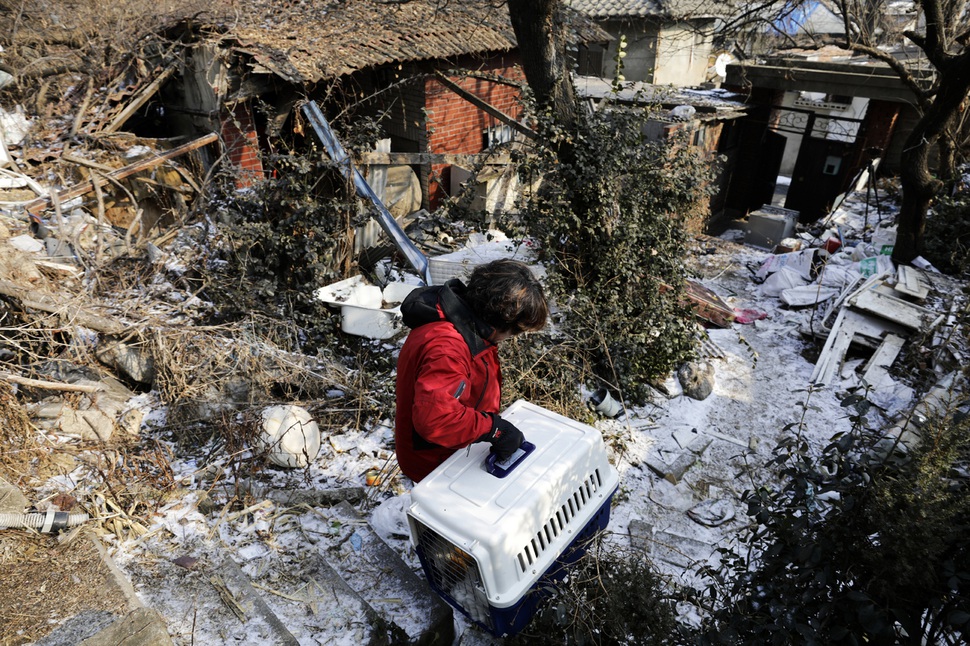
x: 609, y: 217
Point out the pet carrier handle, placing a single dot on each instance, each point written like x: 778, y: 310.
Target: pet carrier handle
x: 505, y: 467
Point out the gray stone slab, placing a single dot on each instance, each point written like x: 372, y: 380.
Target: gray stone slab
x: 674, y: 471
x: 12, y: 499
x: 380, y: 576
x: 312, y: 497
x: 78, y: 628
x: 141, y: 627
x: 238, y: 593
x: 682, y: 551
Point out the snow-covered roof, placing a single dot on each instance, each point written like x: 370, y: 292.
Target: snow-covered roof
x: 716, y: 101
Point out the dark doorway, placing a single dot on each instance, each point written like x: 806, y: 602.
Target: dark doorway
x: 818, y: 177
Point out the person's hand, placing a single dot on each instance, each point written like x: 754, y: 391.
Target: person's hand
x: 504, y: 437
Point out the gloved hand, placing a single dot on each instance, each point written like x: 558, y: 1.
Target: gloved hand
x: 504, y: 437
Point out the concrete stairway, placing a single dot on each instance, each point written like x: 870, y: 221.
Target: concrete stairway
x: 354, y: 584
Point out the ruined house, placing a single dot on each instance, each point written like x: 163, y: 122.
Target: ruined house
x: 820, y: 118
x: 663, y: 41
x: 442, y: 79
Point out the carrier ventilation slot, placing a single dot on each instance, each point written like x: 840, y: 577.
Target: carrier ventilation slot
x: 454, y: 572
x: 560, y: 520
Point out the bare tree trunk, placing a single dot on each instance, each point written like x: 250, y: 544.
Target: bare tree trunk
x: 918, y: 183
x: 539, y: 30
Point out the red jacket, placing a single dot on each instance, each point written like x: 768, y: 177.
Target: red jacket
x: 448, y: 379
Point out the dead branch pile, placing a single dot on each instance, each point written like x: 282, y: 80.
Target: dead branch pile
x: 203, y: 371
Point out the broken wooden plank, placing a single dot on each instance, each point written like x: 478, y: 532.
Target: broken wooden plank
x: 708, y: 306
x: 140, y: 99
x: 50, y: 385
x: 909, y: 281
x: 833, y: 352
x: 876, y: 370
x: 73, y: 313
x: 894, y: 309
x: 36, y: 205
x: 485, y: 106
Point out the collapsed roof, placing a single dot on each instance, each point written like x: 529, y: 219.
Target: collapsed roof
x: 318, y: 40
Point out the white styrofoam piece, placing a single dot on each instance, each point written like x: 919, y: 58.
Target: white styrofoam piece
x: 461, y: 263
x: 362, y: 311
x: 289, y: 435
x: 27, y: 243
x: 495, y: 520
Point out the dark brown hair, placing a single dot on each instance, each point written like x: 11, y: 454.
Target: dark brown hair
x: 506, y: 295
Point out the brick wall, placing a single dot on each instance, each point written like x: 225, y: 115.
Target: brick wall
x: 455, y: 126
x: 242, y: 144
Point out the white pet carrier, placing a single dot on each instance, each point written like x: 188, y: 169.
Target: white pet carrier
x: 490, y: 536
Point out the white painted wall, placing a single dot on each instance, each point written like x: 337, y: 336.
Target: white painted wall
x: 855, y: 110
x: 676, y: 54
x: 683, y: 55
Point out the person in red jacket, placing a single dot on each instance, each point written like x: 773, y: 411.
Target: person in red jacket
x: 449, y: 383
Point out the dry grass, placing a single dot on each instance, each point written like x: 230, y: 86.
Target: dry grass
x: 200, y: 366
x: 46, y: 582
x: 22, y: 448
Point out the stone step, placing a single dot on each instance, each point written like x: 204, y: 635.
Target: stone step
x: 347, y: 582
x: 379, y: 575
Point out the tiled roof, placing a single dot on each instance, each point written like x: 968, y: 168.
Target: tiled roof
x: 604, y: 9
x: 310, y: 40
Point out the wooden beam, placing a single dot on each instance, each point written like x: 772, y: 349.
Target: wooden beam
x: 485, y: 106
x: 51, y: 385
x: 140, y: 99
x: 40, y: 203
x: 75, y: 314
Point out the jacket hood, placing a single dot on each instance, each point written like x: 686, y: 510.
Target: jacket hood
x: 444, y: 303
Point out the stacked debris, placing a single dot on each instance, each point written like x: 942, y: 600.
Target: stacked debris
x: 873, y: 316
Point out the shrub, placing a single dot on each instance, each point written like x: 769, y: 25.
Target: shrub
x: 857, y: 546
x: 282, y: 239
x: 610, y: 596
x: 607, y: 219
x: 947, y: 237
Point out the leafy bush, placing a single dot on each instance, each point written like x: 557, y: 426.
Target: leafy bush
x: 281, y: 240
x: 859, y: 544
x: 947, y: 237
x: 607, y: 216
x: 610, y: 596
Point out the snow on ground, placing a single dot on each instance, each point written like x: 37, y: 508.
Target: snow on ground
x: 761, y: 385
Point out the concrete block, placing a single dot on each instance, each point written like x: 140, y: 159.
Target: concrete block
x: 141, y: 627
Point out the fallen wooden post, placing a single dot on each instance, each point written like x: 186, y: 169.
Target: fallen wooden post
x: 35, y: 206
x: 140, y: 100
x: 50, y: 385
x: 74, y: 313
x: 485, y: 106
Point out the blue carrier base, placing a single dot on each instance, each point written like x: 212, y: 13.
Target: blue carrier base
x: 509, y: 621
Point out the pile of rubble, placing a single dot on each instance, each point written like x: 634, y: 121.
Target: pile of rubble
x: 872, y: 314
